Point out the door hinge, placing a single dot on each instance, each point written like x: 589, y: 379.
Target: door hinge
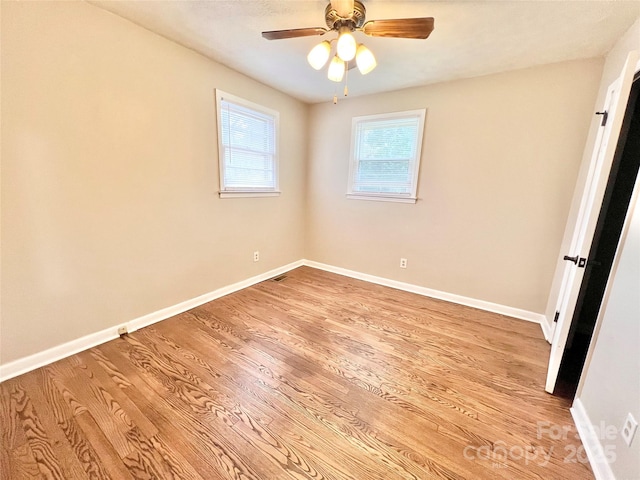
x: 556, y: 317
x: 605, y: 115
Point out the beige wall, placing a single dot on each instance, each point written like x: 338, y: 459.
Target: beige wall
x: 109, y: 176
x: 500, y: 158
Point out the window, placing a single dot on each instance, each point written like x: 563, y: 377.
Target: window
x: 385, y: 156
x: 247, y: 146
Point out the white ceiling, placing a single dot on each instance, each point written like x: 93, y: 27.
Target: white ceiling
x: 471, y: 38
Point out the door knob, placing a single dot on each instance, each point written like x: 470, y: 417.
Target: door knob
x: 572, y: 259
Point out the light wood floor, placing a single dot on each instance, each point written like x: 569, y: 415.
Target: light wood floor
x: 314, y: 376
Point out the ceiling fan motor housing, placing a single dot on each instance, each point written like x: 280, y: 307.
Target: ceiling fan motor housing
x: 355, y: 20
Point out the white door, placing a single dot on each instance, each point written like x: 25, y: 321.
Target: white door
x: 597, y: 177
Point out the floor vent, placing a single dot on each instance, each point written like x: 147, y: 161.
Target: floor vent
x: 279, y: 278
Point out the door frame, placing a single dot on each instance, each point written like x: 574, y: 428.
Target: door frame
x: 633, y: 204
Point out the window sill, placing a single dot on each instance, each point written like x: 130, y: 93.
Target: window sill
x: 248, y: 193
x: 381, y: 198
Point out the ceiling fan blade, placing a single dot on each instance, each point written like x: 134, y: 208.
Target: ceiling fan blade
x: 294, y: 33
x: 399, y: 28
x: 343, y: 7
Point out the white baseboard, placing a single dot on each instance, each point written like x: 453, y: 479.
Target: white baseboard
x: 40, y: 359
x: 428, y: 292
x: 546, y: 329
x: 591, y: 442
x: 26, y: 364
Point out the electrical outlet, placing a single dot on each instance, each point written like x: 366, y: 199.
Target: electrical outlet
x: 403, y: 263
x: 629, y: 429
x: 256, y: 256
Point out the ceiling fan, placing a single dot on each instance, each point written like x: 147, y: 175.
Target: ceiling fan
x: 346, y: 17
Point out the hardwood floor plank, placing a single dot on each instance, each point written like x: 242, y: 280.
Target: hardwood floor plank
x: 316, y: 376
x: 253, y: 366
x: 21, y: 464
x: 130, y: 409
x: 76, y: 455
x: 37, y: 437
x: 66, y: 420
x: 94, y: 397
x: 12, y: 434
x: 153, y: 458
x: 205, y: 442
x: 213, y: 401
x: 9, y: 431
x: 266, y: 399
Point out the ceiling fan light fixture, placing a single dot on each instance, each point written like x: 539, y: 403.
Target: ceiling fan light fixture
x: 319, y: 55
x: 336, y: 69
x: 345, y: 17
x: 365, y: 59
x: 346, y: 44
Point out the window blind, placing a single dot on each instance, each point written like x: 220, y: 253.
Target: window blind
x: 386, y: 154
x: 248, y: 148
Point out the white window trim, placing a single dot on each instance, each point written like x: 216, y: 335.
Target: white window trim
x: 247, y: 192
x: 381, y: 198
x: 387, y: 197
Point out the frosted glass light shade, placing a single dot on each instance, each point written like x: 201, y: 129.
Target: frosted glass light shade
x: 346, y: 45
x: 319, y: 55
x: 336, y: 69
x: 365, y: 59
